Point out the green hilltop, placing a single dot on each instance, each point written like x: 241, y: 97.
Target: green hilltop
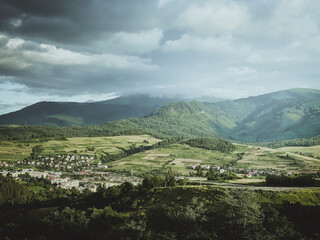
x: 82, y: 114
x: 277, y: 116
x: 288, y: 114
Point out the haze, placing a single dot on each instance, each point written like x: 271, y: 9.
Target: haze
x: 95, y: 50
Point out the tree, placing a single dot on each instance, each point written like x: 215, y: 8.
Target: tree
x: 151, y: 181
x: 170, y: 180
x: 199, y: 171
x: 36, y: 151
x: 240, y: 213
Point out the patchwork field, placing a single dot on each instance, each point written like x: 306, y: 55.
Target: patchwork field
x: 13, y: 151
x: 180, y: 157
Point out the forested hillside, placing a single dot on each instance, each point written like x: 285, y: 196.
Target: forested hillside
x: 80, y: 114
x: 289, y: 114
x: 150, y: 211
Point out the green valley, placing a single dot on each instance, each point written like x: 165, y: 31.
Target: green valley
x: 197, y: 164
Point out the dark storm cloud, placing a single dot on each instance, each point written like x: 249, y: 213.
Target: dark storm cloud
x: 75, y: 20
x: 94, y: 49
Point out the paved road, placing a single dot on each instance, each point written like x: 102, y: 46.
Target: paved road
x: 233, y: 185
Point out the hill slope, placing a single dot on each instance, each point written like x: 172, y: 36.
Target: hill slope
x: 79, y: 114
x: 276, y: 116
x: 288, y: 114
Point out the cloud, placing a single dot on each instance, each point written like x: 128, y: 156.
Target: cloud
x: 241, y: 71
x: 215, y: 17
x: 17, y: 96
x: 141, y: 42
x: 193, y: 43
x: 16, y: 22
x: 75, y: 21
x: 226, y: 48
x: 161, y: 3
x: 16, y: 55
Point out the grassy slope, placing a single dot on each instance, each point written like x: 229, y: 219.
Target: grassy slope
x: 13, y: 151
x: 181, y: 156
x: 282, y: 115
x: 271, y: 117
x: 79, y: 114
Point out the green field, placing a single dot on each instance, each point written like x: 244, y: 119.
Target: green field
x: 180, y: 157
x: 13, y: 151
x: 312, y: 152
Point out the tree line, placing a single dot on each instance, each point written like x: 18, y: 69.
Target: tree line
x: 211, y: 144
x: 290, y: 181
x: 152, y: 211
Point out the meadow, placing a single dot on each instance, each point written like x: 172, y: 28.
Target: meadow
x: 91, y: 146
x: 181, y: 156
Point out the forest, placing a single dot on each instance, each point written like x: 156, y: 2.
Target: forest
x: 291, y: 181
x: 151, y: 211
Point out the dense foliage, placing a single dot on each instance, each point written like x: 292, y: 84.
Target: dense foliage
x: 290, y: 181
x: 212, y: 175
x: 295, y: 142
x: 81, y: 114
x: 211, y: 144
x: 107, y: 157
x: 150, y: 211
x: 282, y: 115
x: 35, y: 191
x: 12, y: 192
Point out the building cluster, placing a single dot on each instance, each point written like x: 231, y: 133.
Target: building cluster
x: 259, y: 172
x: 90, y: 180
x: 207, y: 167
x: 65, y: 163
x: 247, y: 172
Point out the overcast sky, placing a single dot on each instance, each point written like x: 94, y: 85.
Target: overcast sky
x: 81, y: 50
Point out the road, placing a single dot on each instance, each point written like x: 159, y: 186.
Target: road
x: 233, y: 185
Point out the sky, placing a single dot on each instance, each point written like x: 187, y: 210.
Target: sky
x: 80, y: 50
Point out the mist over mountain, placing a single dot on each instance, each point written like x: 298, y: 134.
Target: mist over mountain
x: 90, y: 113
x: 276, y: 116
x: 287, y: 114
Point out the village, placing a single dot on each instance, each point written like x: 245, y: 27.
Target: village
x: 68, y: 171
x: 248, y: 173
x: 87, y: 173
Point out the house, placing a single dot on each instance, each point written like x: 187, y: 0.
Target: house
x: 4, y: 173
x: 15, y: 173
x: 205, y: 167
x: 38, y: 174
x: 102, y: 166
x: 92, y: 187
x: 179, y: 178
x: 70, y: 184
x: 194, y: 166
x: 59, y: 180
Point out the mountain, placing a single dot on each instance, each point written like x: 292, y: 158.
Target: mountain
x: 281, y: 115
x: 287, y: 114
x: 210, y: 99
x: 80, y: 114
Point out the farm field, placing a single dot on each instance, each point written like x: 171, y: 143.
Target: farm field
x: 13, y: 151
x: 181, y: 156
x: 312, y: 151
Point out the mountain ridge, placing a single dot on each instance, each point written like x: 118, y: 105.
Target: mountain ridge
x: 286, y: 114
x: 81, y: 114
